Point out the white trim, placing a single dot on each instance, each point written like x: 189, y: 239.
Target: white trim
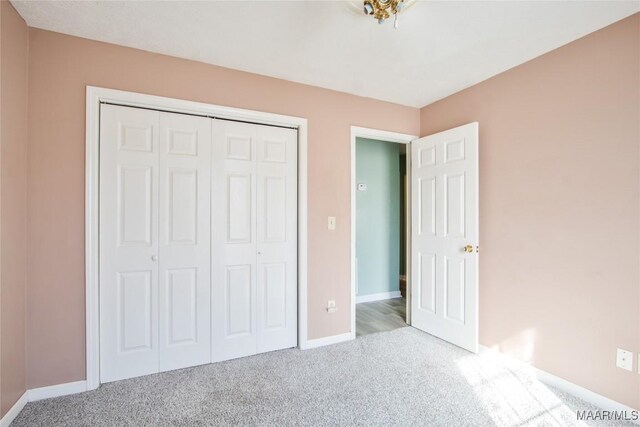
x: 57, y: 390
x: 583, y: 393
x: 15, y: 410
x: 92, y: 261
x: 36, y: 394
x: 580, y: 392
x: 96, y: 95
x: 381, y: 135
x: 333, y: 339
x: 377, y: 297
x: 302, y: 235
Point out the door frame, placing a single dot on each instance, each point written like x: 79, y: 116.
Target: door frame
x: 97, y: 95
x: 391, y: 137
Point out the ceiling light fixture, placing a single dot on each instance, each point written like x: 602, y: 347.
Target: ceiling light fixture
x: 383, y: 9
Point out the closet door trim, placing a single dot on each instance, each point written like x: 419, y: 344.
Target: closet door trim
x: 95, y: 97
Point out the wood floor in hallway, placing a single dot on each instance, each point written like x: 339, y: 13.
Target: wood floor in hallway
x: 380, y: 316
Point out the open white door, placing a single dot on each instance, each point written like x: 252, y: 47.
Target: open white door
x: 444, y: 235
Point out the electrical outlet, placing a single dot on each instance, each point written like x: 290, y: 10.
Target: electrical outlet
x: 331, y: 223
x: 331, y: 306
x: 624, y: 359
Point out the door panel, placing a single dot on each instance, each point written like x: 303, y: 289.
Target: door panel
x: 134, y: 311
x: 276, y: 238
x: 254, y: 254
x: 198, y: 240
x: 427, y: 208
x: 239, y: 208
x: 454, y: 288
x: 427, y: 279
x: 444, y: 221
x: 454, y: 205
x: 184, y: 254
x: 134, y: 205
x: 275, y: 208
x: 182, y: 199
x: 182, y: 300
x: 233, y: 257
x: 238, y: 300
x: 274, y: 277
x: 128, y: 242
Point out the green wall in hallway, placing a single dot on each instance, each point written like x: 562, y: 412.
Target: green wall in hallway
x: 377, y: 216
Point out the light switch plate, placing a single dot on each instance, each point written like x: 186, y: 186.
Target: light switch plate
x: 331, y: 223
x: 331, y: 306
x: 624, y: 359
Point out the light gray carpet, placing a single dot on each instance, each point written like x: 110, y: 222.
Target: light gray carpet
x: 402, y: 377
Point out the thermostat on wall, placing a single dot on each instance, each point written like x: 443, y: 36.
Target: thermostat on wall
x: 362, y: 186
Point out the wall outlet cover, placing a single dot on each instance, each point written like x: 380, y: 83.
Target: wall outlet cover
x: 624, y: 359
x: 362, y: 186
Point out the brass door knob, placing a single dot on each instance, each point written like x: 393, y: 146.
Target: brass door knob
x: 468, y: 249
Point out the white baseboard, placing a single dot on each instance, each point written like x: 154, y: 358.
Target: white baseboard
x: 580, y: 392
x: 583, y: 393
x: 15, y: 410
x: 333, y: 339
x: 57, y: 390
x: 35, y: 394
x: 377, y: 297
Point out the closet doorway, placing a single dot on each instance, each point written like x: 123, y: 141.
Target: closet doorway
x: 197, y: 238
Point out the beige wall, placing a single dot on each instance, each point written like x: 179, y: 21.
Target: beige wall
x: 13, y: 203
x: 559, y: 207
x: 60, y: 68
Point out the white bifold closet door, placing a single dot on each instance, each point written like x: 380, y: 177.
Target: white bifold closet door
x: 154, y: 241
x: 254, y: 217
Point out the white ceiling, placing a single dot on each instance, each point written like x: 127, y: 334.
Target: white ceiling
x: 439, y: 49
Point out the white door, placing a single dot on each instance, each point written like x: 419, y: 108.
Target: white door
x: 254, y: 222
x: 154, y: 241
x: 277, y: 227
x: 444, y: 224
x: 128, y: 242
x: 185, y: 241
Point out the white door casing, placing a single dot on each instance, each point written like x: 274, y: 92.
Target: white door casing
x: 128, y: 242
x: 444, y: 187
x: 254, y: 270
x: 96, y: 100
x: 185, y: 241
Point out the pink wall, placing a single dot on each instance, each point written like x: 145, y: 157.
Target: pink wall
x: 559, y: 195
x: 60, y: 68
x: 13, y: 203
x: 559, y: 207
